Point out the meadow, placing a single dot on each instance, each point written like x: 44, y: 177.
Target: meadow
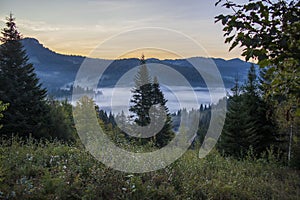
x: 54, y: 170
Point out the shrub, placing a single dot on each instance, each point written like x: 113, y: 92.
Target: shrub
x: 53, y: 170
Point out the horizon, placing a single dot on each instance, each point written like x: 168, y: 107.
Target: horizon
x: 77, y: 27
x: 138, y: 57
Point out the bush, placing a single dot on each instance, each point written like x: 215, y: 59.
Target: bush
x: 53, y: 170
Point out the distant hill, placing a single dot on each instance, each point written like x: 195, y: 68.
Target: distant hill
x: 56, y: 70
x: 53, y: 69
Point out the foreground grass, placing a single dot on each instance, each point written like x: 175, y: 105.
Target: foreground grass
x: 52, y: 170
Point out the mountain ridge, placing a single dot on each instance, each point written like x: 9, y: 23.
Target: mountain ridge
x: 55, y: 70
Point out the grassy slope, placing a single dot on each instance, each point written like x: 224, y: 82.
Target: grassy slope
x: 57, y: 171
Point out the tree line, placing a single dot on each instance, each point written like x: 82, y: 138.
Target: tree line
x: 267, y: 32
x: 263, y: 113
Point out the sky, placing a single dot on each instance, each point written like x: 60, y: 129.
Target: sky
x: 78, y: 27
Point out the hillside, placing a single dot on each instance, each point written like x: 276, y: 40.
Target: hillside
x: 57, y: 70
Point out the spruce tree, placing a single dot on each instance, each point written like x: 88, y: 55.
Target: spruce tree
x: 247, y: 125
x: 103, y: 116
x: 165, y: 134
x: 19, y: 86
x: 147, y: 94
x: 142, y: 95
x: 262, y: 134
x: 233, y: 140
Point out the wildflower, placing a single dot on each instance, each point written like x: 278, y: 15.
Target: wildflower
x: 29, y: 157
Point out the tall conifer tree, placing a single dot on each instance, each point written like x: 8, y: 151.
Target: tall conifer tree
x: 142, y: 95
x: 233, y: 141
x: 165, y: 134
x: 19, y: 86
x: 246, y: 125
x: 262, y: 133
x: 145, y: 95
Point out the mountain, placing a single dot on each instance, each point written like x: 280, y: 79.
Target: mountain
x: 53, y: 69
x: 57, y: 71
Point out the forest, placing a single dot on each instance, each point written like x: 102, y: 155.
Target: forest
x: 46, y: 144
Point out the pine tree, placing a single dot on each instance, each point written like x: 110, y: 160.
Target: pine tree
x: 142, y: 95
x: 246, y: 125
x: 122, y: 120
x: 146, y: 95
x: 204, y: 121
x: 233, y: 141
x: 103, y: 116
x: 19, y: 86
x: 111, y: 119
x: 165, y: 134
x: 262, y: 134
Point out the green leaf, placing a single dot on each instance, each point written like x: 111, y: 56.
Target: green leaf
x: 264, y: 63
x: 234, y: 44
x: 229, y: 39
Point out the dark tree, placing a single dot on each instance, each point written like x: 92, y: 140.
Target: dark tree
x: 142, y: 93
x: 19, y: 86
x: 165, y: 134
x: 268, y: 31
x: 111, y: 119
x: 204, y: 121
x: 233, y: 140
x: 60, y: 124
x: 262, y: 133
x: 247, y: 124
x: 146, y: 95
x: 103, y: 116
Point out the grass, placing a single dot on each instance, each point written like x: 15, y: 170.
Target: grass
x: 53, y: 170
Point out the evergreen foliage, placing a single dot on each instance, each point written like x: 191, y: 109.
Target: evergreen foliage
x: 19, y: 86
x: 3, y: 107
x: 268, y: 31
x: 142, y: 93
x: 233, y: 140
x: 147, y: 94
x: 60, y: 124
x: 247, y: 125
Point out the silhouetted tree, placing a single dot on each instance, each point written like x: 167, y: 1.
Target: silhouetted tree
x: 246, y: 125
x: 147, y: 94
x: 19, y: 86
x: 141, y: 98
x: 165, y: 134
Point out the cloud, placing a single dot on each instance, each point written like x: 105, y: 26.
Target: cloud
x: 78, y: 26
x: 39, y: 26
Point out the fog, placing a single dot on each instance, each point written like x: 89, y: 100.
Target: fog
x: 118, y: 99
